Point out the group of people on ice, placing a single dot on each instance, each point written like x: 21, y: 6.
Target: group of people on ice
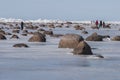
x: 100, y: 24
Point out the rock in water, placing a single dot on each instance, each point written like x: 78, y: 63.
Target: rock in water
x: 82, y: 49
x: 38, y: 37
x: 2, y: 37
x: 116, y: 38
x: 95, y: 37
x: 20, y: 45
x: 2, y: 32
x: 14, y: 37
x: 70, y: 41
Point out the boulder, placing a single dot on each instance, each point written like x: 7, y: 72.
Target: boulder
x: 2, y: 37
x: 82, y: 49
x: 7, y: 33
x: 2, y: 32
x: 84, y: 32
x: 17, y: 27
x: 14, y: 36
x: 78, y: 27
x: 16, y: 31
x: 94, y: 37
x: 48, y: 32
x: 37, y: 37
x: 25, y: 31
x: 93, y: 26
x: 24, y: 34
x: 56, y: 35
x: 32, y: 27
x: 21, y: 45
x: 70, y: 41
x: 116, y: 38
x: 51, y: 25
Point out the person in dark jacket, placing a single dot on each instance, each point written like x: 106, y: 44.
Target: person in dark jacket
x: 100, y: 25
x: 22, y: 25
x: 103, y: 24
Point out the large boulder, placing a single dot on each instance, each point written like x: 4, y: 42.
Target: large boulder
x: 82, y: 49
x: 37, y: 37
x: 21, y: 45
x: 116, y: 38
x: 70, y: 41
x: 94, y: 37
x: 2, y: 37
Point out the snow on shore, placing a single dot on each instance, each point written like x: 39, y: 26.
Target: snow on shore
x: 51, y: 21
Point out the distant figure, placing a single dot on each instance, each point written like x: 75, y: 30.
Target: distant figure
x: 103, y: 24
x: 100, y: 25
x: 96, y: 23
x: 22, y: 25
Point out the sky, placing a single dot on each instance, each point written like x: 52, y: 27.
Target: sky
x: 61, y: 9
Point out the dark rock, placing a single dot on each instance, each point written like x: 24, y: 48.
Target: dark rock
x: 14, y: 36
x: 56, y: 35
x: 48, y: 32
x: 17, y: 27
x: 2, y: 37
x: 38, y: 37
x: 82, y: 49
x: 7, y: 33
x: 24, y: 34
x: 116, y: 38
x: 32, y: 27
x: 51, y: 25
x: 78, y: 27
x: 70, y: 41
x: 20, y: 45
x: 84, y: 32
x: 16, y: 31
x: 95, y: 37
x: 99, y: 56
x: 2, y: 32
x: 25, y: 31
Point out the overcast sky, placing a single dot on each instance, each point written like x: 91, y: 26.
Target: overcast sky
x: 61, y: 9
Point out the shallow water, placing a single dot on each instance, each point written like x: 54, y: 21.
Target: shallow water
x: 45, y: 61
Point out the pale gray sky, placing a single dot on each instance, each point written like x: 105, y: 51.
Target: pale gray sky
x: 61, y: 9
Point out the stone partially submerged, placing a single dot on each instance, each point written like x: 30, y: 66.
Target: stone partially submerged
x: 82, y: 49
x: 116, y: 38
x: 37, y: 37
x: 2, y: 37
x: 14, y: 37
x: 21, y: 45
x: 70, y: 41
x: 96, y: 37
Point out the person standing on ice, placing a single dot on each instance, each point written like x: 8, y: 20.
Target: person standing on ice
x: 103, y: 24
x: 22, y: 25
x: 96, y: 23
x: 100, y: 25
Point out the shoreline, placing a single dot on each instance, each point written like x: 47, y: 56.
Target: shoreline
x: 11, y: 20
